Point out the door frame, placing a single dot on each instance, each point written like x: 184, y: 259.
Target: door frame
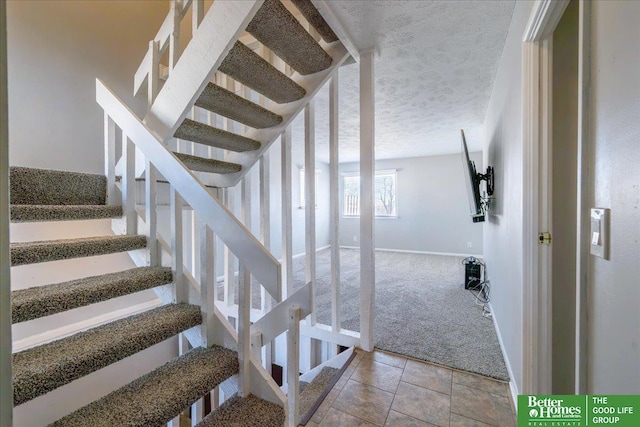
x: 537, y: 51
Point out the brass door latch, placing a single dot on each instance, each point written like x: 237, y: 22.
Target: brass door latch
x: 544, y: 238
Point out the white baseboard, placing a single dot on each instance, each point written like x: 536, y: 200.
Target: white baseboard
x: 417, y: 252
x: 67, y: 330
x: 301, y: 254
x: 513, y: 387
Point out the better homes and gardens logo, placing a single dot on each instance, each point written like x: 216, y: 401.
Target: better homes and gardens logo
x: 578, y: 411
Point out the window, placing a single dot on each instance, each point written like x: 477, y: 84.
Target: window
x: 385, y: 194
x: 302, y: 189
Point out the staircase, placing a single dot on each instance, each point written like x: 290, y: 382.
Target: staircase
x: 157, y: 397
x: 249, y: 70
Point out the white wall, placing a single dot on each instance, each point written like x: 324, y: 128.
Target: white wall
x: 503, y: 231
x: 433, y: 209
x: 614, y: 288
x: 56, y: 49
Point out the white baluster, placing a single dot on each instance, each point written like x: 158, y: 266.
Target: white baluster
x: 180, y: 292
x: 310, y: 200
x: 151, y: 213
x: 174, y: 38
x: 128, y: 186
x: 287, y: 243
x: 153, y: 83
x: 207, y: 282
x: 110, y: 159
x: 293, y: 367
x: 197, y: 13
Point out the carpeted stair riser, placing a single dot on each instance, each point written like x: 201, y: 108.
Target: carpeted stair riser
x: 162, y: 394
x: 54, y: 250
x: 247, y: 67
x: 250, y: 411
x: 39, y: 370
x: 33, y: 213
x: 281, y: 32
x: 40, y: 301
x: 208, y: 135
x: 200, y: 164
x: 227, y: 104
x: 31, y: 186
x: 316, y: 20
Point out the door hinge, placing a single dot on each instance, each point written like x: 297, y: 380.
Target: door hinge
x: 544, y: 238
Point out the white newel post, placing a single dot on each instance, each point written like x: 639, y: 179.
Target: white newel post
x: 334, y: 203
x: 367, y: 215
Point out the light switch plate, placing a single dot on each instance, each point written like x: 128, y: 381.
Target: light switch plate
x: 599, y: 232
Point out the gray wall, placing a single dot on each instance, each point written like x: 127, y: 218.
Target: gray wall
x: 56, y: 51
x: 433, y: 210
x: 503, y: 231
x: 614, y: 288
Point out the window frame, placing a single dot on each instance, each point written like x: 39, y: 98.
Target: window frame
x: 381, y: 172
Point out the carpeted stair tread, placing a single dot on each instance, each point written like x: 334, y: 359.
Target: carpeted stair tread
x: 311, y: 392
x: 30, y: 186
x: 247, y: 67
x: 200, y: 164
x: 164, y: 181
x: 275, y: 27
x: 40, y: 301
x: 41, y: 369
x: 226, y: 103
x: 249, y: 411
x: 160, y: 395
x: 32, y: 213
x: 316, y: 20
x: 53, y: 250
x: 208, y: 135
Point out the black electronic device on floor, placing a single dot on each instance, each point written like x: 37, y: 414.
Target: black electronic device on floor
x: 472, y: 273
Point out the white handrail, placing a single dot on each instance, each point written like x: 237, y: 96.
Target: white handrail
x: 262, y: 264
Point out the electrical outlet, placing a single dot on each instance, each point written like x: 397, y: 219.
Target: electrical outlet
x: 355, y: 239
x: 469, y: 244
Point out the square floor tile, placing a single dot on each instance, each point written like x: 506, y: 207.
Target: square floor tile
x: 364, y: 401
x: 325, y: 405
x: 480, y: 382
x: 336, y: 418
x: 423, y: 404
x: 387, y: 358
x: 480, y: 405
x: 460, y: 421
x: 377, y: 374
x: 396, y: 419
x: 344, y: 378
x: 428, y: 376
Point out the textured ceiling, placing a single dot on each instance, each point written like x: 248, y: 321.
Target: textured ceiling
x: 434, y: 75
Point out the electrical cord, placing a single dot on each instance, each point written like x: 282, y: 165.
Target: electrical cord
x: 481, y: 295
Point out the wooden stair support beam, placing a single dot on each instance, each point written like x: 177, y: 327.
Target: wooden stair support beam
x: 219, y: 30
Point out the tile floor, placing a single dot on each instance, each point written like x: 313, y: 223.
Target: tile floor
x: 381, y: 389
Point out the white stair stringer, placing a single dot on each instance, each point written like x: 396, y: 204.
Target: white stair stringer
x: 221, y: 27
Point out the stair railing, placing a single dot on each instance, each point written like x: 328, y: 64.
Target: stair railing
x: 168, y: 37
x: 184, y: 188
x: 122, y: 126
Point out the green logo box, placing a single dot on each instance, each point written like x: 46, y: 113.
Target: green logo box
x: 578, y: 410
